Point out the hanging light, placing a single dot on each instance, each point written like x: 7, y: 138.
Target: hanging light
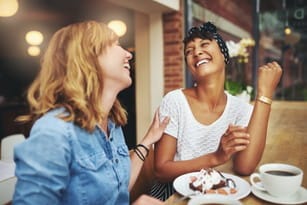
x: 8, y: 8
x: 34, y: 51
x: 287, y: 30
x: 118, y: 26
x: 34, y: 38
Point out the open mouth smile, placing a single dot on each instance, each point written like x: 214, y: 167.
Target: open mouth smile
x: 203, y: 61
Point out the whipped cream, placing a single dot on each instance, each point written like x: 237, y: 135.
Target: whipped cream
x: 206, y: 179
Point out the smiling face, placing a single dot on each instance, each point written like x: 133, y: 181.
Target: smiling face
x: 204, y: 57
x: 114, y: 62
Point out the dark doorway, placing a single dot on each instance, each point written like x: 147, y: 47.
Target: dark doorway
x: 127, y: 98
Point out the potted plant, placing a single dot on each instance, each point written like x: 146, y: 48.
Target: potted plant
x: 235, y: 82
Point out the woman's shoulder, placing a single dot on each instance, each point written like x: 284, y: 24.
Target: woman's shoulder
x: 51, y: 122
x: 235, y: 102
x: 52, y: 117
x: 173, y: 97
x: 174, y: 93
x: 49, y: 132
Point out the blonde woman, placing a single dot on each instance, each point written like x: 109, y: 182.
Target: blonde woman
x: 76, y: 151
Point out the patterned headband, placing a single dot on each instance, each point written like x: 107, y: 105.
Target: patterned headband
x: 204, y: 29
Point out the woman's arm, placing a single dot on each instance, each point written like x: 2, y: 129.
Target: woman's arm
x: 153, y: 134
x: 166, y: 169
x: 246, y: 161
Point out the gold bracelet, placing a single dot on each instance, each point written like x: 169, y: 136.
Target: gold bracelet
x: 265, y: 100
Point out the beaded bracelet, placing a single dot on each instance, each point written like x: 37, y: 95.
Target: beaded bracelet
x: 265, y: 100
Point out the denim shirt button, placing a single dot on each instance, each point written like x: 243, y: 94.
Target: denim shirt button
x: 116, y: 160
x: 111, y: 139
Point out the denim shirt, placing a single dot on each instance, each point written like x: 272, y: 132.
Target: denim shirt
x: 61, y: 163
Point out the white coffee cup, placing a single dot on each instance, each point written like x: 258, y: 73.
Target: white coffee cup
x: 279, y: 180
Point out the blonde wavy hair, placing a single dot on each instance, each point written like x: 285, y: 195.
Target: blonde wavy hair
x: 70, y: 77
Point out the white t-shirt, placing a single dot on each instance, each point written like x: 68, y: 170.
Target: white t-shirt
x: 193, y: 138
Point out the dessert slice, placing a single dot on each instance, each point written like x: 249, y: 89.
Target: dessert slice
x: 211, y: 181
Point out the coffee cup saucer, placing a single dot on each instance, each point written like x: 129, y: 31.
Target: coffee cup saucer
x: 300, y: 197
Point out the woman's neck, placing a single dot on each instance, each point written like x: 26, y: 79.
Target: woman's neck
x: 107, y: 102
x: 108, y: 98
x: 213, y: 95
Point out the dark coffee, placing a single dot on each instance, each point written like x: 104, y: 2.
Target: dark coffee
x: 281, y: 173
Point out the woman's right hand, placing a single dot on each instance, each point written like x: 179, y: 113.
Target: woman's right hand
x: 235, y: 139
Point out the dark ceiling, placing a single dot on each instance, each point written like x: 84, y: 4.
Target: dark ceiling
x: 49, y: 15
x: 17, y: 69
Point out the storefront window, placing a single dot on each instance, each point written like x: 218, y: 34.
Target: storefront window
x: 283, y: 37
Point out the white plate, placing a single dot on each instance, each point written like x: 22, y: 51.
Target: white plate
x: 181, y: 185
x: 213, y: 198
x: 299, y: 197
